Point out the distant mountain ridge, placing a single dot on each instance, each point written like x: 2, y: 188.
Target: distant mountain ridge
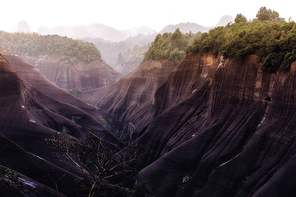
x: 225, y: 20
x: 185, y: 28
x: 96, y: 31
x: 108, y: 33
x: 111, y: 41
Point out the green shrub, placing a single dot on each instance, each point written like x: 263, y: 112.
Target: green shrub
x: 5, y: 172
x: 76, y: 91
x: 103, y: 121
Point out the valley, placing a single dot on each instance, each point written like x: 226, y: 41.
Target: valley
x: 195, y: 114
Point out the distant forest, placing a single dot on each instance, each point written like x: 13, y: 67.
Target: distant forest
x: 133, y: 55
x: 34, y: 44
x: 111, y: 51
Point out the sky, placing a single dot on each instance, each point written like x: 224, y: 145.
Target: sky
x: 125, y: 14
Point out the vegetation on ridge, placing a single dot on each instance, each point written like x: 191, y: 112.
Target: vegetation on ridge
x: 171, y: 46
x: 101, y: 163
x: 268, y: 36
x: 34, y: 44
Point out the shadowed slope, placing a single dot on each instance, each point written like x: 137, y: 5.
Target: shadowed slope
x: 18, y: 124
x: 235, y: 143
x: 214, y: 127
x: 27, y: 117
x: 132, y: 96
x: 36, y: 79
x: 40, y: 171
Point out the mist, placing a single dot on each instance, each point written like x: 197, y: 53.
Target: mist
x: 123, y: 15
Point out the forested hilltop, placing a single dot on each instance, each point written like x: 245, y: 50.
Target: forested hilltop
x: 70, y: 64
x: 170, y: 46
x: 34, y: 44
x: 268, y: 36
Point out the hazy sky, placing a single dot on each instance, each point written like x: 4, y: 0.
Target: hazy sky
x: 124, y: 14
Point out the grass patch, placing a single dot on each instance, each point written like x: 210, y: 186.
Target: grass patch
x: 5, y: 172
x: 103, y: 121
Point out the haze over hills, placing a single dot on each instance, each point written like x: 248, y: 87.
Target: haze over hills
x: 96, y: 31
x: 203, y: 115
x: 111, y: 49
x: 70, y: 64
x: 112, y: 34
x: 111, y: 41
x: 221, y: 122
x: 225, y: 20
x: 185, y: 28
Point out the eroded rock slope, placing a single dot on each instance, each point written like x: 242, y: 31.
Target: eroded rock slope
x: 213, y: 127
x: 81, y: 76
x: 122, y: 99
x: 31, y: 112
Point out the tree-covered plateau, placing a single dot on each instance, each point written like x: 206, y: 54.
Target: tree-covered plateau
x: 268, y: 36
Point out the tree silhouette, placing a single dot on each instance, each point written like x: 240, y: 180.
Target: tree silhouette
x: 97, y: 159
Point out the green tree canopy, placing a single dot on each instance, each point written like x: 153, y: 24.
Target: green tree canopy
x: 240, y: 19
x: 33, y: 44
x: 273, y: 41
x: 265, y: 14
x: 171, y: 46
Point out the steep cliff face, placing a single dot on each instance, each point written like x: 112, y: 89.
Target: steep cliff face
x: 214, y: 127
x: 234, y: 137
x: 24, y: 122
x: 38, y: 80
x: 82, y: 75
x: 29, y: 116
x: 131, y: 93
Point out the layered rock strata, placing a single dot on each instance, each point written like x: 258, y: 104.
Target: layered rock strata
x: 214, y: 127
x: 81, y: 76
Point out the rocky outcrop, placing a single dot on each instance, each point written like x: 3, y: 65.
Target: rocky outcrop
x: 214, y: 127
x: 82, y: 76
